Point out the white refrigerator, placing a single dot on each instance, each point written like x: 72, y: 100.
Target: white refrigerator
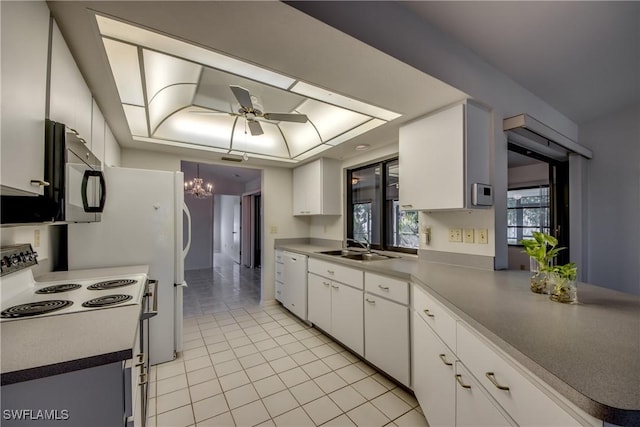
x: 142, y: 223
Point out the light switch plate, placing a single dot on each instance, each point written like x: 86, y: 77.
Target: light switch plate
x: 469, y: 235
x: 483, y: 236
x: 455, y: 235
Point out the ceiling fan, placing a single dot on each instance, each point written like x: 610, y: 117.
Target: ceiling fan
x: 251, y: 110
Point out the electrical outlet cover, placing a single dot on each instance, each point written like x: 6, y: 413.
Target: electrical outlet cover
x: 483, y: 236
x: 455, y: 235
x: 469, y: 235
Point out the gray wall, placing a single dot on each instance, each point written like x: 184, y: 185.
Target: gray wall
x: 205, y: 229
x: 200, y: 254
x: 612, y: 230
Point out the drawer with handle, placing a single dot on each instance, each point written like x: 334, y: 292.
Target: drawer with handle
x: 337, y: 272
x: 436, y: 316
x: 525, y: 402
x: 387, y: 287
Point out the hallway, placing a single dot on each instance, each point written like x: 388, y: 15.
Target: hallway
x: 245, y: 364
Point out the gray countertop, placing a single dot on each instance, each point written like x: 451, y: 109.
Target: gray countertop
x: 588, y: 352
x: 42, y: 346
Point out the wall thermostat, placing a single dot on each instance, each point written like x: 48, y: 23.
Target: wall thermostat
x: 481, y: 195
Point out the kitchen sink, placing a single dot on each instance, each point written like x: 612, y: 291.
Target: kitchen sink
x: 357, y: 255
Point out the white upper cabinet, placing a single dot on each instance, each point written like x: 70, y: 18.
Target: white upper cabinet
x: 70, y: 100
x: 442, y: 155
x: 316, y: 188
x: 25, y: 44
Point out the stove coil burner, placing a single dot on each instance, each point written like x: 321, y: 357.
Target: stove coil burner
x: 34, y: 308
x: 106, y: 300
x: 54, y: 289
x: 111, y: 284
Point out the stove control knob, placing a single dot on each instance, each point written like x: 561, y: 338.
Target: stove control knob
x: 15, y: 259
x: 6, y: 262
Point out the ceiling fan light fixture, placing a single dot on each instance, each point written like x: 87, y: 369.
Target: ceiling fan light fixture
x: 172, y: 69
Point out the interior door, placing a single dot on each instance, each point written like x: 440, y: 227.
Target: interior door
x: 246, y: 231
x: 236, y: 229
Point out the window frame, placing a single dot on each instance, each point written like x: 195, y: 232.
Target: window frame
x: 385, y: 222
x: 521, y: 208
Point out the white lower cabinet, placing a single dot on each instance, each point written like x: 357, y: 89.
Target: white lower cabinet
x: 336, y: 306
x: 474, y: 406
x: 347, y: 318
x: 279, y: 267
x: 319, y: 305
x: 524, y: 401
x: 433, y: 375
x: 487, y: 388
x: 386, y: 336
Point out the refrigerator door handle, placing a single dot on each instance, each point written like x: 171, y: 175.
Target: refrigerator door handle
x: 185, y: 209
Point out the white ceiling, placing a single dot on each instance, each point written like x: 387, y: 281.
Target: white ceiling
x: 583, y: 58
x: 270, y: 34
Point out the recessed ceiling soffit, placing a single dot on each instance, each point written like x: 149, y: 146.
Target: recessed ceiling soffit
x: 176, y: 93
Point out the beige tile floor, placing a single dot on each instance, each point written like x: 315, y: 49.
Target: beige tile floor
x: 260, y: 365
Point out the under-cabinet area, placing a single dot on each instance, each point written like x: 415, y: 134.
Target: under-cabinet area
x: 383, y: 312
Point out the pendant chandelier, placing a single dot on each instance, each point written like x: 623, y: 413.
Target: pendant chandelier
x: 197, y: 188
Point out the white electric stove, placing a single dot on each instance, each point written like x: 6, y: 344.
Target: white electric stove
x: 24, y: 297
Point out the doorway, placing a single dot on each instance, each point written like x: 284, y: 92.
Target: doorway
x: 537, y: 200
x: 251, y: 229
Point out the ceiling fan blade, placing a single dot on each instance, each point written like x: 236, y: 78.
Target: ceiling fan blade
x: 255, y: 128
x: 283, y: 117
x: 243, y: 96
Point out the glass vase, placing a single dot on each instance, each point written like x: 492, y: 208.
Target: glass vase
x: 563, y: 290
x: 540, y: 282
x: 539, y: 278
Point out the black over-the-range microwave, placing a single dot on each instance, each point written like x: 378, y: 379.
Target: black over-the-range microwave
x: 76, y: 190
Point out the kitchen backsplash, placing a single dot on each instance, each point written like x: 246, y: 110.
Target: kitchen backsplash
x: 481, y: 221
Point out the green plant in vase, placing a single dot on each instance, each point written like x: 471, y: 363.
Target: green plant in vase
x: 564, y: 288
x: 542, y: 248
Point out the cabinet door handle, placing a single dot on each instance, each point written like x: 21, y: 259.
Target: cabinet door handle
x: 330, y: 271
x: 335, y: 286
x: 384, y: 288
x: 463, y: 385
x: 326, y: 283
x: 370, y: 301
x: 428, y: 313
x: 39, y: 183
x: 407, y: 206
x: 444, y: 360
x: 492, y: 378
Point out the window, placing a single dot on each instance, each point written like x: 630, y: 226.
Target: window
x: 527, y: 211
x: 374, y: 213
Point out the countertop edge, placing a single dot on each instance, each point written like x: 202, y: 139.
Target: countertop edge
x: 64, y: 367
x: 602, y: 411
